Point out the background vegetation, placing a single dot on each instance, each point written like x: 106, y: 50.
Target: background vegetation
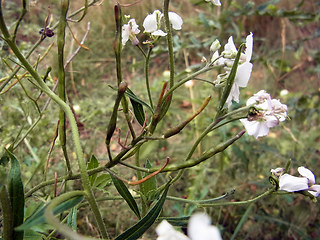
x: 285, y: 57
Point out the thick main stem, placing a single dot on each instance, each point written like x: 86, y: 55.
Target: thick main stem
x: 61, y: 81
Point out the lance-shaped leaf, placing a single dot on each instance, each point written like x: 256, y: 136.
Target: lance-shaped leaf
x: 72, y: 219
x: 149, y: 187
x: 133, y: 97
x: 38, y: 217
x: 16, y: 194
x: 176, y: 221
x: 137, y: 107
x: 230, y: 82
x: 143, y: 225
x: 124, y: 192
x: 93, y: 163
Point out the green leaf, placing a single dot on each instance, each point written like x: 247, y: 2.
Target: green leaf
x: 124, y: 192
x: 149, y: 187
x: 137, y: 107
x: 93, y: 163
x: 177, y: 221
x: 39, y: 218
x: 143, y: 225
x: 33, y: 235
x: 102, y: 181
x: 132, y: 96
x: 230, y: 81
x: 72, y: 219
x: 16, y: 194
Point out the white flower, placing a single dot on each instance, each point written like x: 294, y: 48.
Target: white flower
x: 215, y: 2
x: 129, y: 31
x: 152, y: 23
x: 199, y: 228
x: 244, y: 68
x: 291, y: 183
x: 270, y: 112
x: 175, y: 20
x: 166, y: 231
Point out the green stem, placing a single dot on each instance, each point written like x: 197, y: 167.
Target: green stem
x: 190, y: 163
x: 200, y: 201
x: 270, y: 191
x: 141, y: 50
x: 169, y: 40
x: 146, y: 71
x: 73, y: 124
x: 7, y: 218
x: 212, y: 126
x: 61, y: 79
x: 117, y: 47
x: 190, y: 77
x: 23, y: 12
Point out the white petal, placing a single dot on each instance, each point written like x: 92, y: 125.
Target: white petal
x: 230, y: 47
x: 175, y: 20
x: 271, y: 121
x: 234, y: 95
x: 159, y: 33
x: 292, y: 184
x: 315, y: 190
x: 215, y: 2
x: 134, y: 26
x: 249, y: 47
x: 214, y: 57
x: 279, y: 109
x: 259, y: 97
x: 125, y: 34
x: 166, y: 231
x: 243, y: 74
x: 150, y: 23
x: 199, y: 228
x: 277, y: 172
x: 305, y: 172
x: 255, y: 128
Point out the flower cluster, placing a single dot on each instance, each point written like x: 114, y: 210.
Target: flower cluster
x: 268, y: 113
x: 226, y: 59
x: 199, y: 228
x: 151, y: 24
x: 291, y: 183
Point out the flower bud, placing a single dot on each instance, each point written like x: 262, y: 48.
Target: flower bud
x: 215, y: 46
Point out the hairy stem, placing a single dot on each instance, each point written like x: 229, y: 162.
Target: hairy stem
x: 7, y: 219
x: 61, y: 79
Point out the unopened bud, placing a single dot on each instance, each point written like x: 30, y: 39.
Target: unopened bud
x: 215, y: 46
x: 203, y: 59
